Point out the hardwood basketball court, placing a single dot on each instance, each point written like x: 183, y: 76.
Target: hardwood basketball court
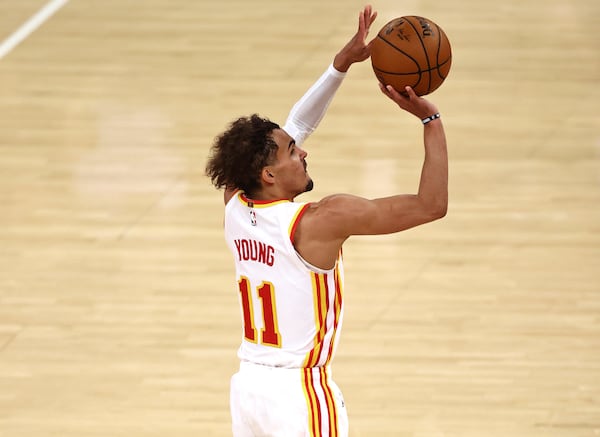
x: 118, y: 310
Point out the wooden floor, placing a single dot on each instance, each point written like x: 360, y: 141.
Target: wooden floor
x: 118, y: 315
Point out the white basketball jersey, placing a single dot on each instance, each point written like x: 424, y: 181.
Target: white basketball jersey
x: 291, y: 311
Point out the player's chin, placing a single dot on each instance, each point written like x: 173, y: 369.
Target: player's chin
x: 309, y: 185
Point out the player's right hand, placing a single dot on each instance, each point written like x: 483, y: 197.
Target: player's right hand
x: 409, y: 101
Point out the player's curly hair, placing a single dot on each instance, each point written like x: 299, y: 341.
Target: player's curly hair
x: 240, y: 153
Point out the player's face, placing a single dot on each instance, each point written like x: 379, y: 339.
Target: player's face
x: 290, y: 166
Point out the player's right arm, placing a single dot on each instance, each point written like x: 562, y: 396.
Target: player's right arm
x: 328, y: 223
x: 354, y: 215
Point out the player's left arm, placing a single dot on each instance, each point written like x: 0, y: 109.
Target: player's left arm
x: 308, y: 112
x: 357, y: 49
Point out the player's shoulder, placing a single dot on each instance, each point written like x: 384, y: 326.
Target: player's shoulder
x: 333, y: 209
x: 324, y: 227
x: 229, y: 192
x: 334, y: 202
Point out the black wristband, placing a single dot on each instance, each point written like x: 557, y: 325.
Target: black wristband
x: 430, y: 118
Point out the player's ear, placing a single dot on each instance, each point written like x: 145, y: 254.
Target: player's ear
x: 267, y: 175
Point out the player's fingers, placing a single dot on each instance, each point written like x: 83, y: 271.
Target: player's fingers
x: 372, y: 18
x: 366, y: 13
x: 361, y: 23
x: 410, y: 92
x: 384, y: 89
x: 395, y: 94
x: 365, y: 19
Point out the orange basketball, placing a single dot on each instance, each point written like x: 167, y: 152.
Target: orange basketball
x: 411, y: 51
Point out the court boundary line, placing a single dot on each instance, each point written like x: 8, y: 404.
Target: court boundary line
x: 30, y: 26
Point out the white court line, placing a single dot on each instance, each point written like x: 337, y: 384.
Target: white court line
x: 30, y: 26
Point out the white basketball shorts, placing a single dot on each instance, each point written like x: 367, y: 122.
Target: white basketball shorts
x: 280, y: 402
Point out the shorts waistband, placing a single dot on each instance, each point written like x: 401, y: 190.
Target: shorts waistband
x: 263, y: 368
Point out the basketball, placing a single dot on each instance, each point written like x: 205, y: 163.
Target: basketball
x: 411, y: 51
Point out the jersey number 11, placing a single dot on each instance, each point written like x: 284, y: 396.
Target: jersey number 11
x: 269, y: 334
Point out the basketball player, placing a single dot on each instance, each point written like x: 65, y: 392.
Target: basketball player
x: 288, y: 254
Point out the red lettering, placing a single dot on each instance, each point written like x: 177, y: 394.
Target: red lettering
x: 262, y: 249
x: 237, y: 246
x: 252, y: 250
x: 245, y: 255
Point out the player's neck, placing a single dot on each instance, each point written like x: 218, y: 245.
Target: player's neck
x: 270, y: 193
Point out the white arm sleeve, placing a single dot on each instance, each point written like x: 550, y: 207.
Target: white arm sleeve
x: 310, y: 109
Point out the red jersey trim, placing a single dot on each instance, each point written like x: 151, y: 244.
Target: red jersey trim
x: 259, y: 203
x: 296, y: 220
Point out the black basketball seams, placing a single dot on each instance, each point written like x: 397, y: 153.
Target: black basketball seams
x: 398, y: 49
x: 395, y: 48
x: 439, y: 49
x: 405, y: 54
x: 413, y: 72
x: 424, y: 49
x: 441, y: 65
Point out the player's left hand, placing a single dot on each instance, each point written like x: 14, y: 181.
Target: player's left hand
x: 357, y: 49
